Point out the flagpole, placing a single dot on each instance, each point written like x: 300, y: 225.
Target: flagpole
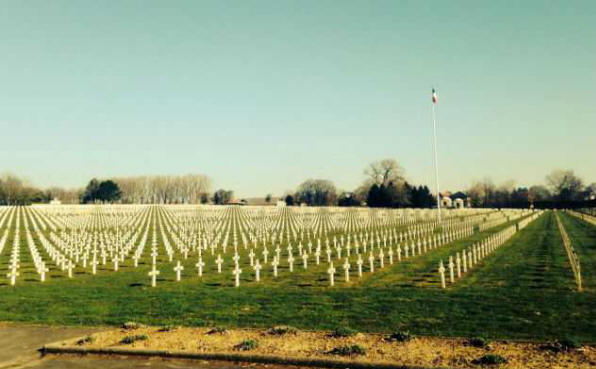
x: 436, y: 164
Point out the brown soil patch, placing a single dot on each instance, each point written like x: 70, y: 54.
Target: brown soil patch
x: 423, y: 351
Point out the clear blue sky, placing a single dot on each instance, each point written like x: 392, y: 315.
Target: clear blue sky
x: 260, y: 95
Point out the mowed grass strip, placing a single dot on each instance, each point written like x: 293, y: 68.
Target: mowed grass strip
x: 583, y: 240
x: 533, y: 259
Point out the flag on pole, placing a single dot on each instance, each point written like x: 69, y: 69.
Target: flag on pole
x: 435, y: 99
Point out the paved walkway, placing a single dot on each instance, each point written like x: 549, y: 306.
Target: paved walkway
x: 20, y: 345
x: 20, y: 342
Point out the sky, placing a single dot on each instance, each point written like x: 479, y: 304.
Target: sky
x: 261, y: 95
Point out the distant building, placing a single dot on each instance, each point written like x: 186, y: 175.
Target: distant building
x: 236, y: 202
x: 458, y: 200
x: 459, y: 203
x: 55, y: 201
x: 281, y: 203
x: 446, y: 202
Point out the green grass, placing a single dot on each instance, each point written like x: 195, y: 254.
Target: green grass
x: 525, y: 290
x: 134, y: 338
x: 583, y: 239
x: 348, y: 350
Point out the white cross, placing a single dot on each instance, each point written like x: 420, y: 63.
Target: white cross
x: 70, y: 267
x: 42, y: 272
x: 200, y: 264
x: 178, y: 269
x: 275, y: 263
x: 237, y: 271
x: 257, y: 267
x: 251, y: 255
x: 153, y: 274
x: 359, y: 262
x: 94, y: 264
x: 347, y: 270
x: 331, y: 272
x: 219, y: 261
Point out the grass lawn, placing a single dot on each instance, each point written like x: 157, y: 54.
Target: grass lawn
x: 583, y: 239
x: 525, y: 290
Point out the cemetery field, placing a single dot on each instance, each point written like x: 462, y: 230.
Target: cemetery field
x: 520, y: 286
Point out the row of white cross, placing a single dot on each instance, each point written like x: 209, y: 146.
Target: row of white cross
x: 257, y: 266
x: 472, y: 255
x: 571, y: 254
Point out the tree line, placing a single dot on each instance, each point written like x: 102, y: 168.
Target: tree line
x: 189, y: 189
x: 562, y: 189
x: 16, y: 191
x: 184, y: 189
x: 384, y: 185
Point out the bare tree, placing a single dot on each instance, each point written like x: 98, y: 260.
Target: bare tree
x: 164, y: 189
x: 317, y: 192
x: 538, y: 193
x: 385, y: 172
x: 565, y: 185
x: 12, y: 187
x: 477, y: 194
